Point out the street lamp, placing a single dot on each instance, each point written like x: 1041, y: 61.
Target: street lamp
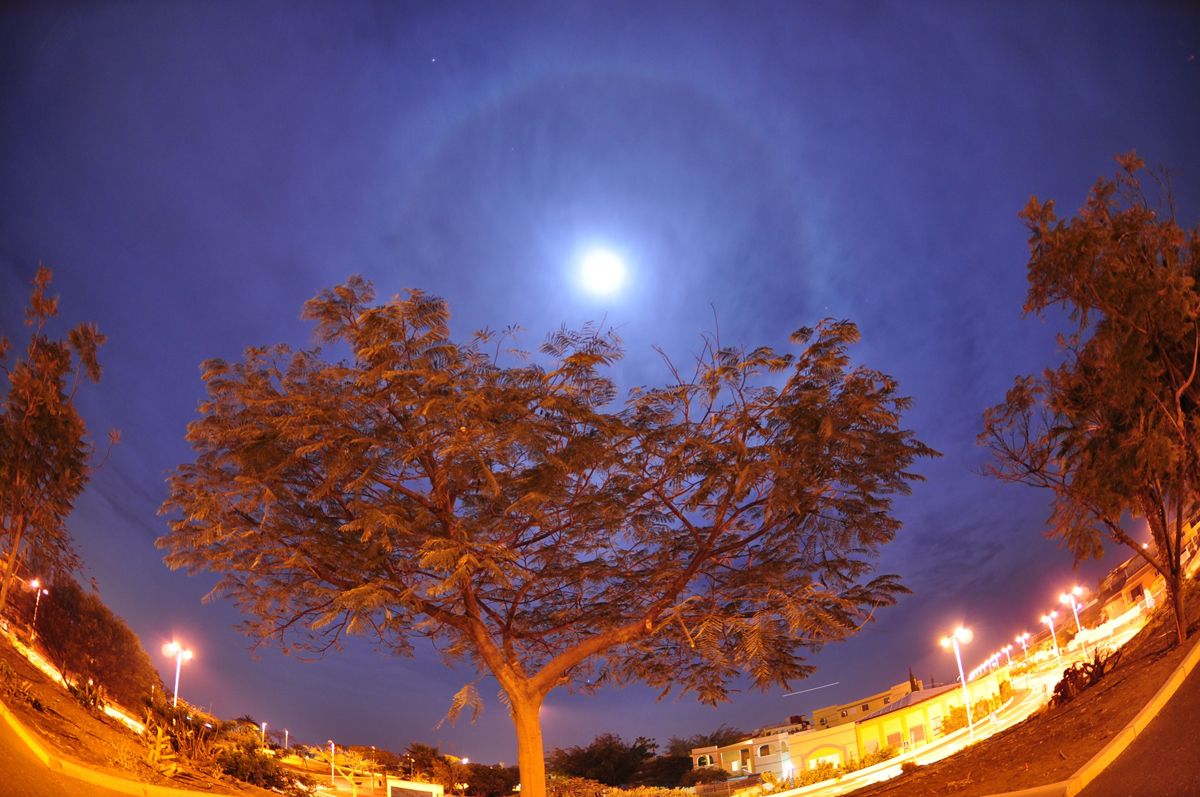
x: 285, y: 741
x: 181, y: 655
x: 961, y: 635
x: 332, y: 755
x: 1023, y: 638
x: 264, y: 735
x: 39, y: 592
x: 1069, y: 597
x: 1048, y: 619
x: 1005, y: 651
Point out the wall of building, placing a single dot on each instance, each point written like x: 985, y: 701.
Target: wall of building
x: 921, y: 723
x: 833, y: 716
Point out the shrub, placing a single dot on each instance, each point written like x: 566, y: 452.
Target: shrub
x: 85, y: 640
x: 1083, y: 675
x: 249, y: 764
x: 574, y: 787
x: 648, y: 791
x: 704, y: 775
x: 870, y: 759
x: 908, y: 767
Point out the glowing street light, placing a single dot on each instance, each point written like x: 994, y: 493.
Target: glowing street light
x: 264, y: 735
x: 332, y: 756
x: 1048, y: 619
x: 1069, y: 597
x: 181, y: 655
x: 961, y: 635
x: 285, y: 741
x: 1023, y: 638
x: 39, y: 592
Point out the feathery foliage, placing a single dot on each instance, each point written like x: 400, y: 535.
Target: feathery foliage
x: 1114, y: 428
x: 507, y: 509
x: 45, y: 454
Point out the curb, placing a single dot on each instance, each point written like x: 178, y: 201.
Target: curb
x: 1100, y: 761
x: 73, y: 770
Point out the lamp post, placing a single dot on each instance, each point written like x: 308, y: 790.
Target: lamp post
x: 37, y: 601
x: 285, y: 741
x: 1023, y: 638
x: 961, y: 635
x: 1048, y: 619
x: 181, y: 655
x: 332, y: 755
x: 264, y: 735
x: 1005, y: 651
x: 1069, y: 597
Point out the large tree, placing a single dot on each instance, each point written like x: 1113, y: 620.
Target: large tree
x: 511, y: 512
x: 1112, y: 429
x: 45, y: 453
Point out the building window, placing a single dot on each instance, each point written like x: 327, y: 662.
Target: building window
x: 783, y: 748
x: 704, y: 761
x: 843, y: 713
x: 887, y: 700
x: 764, y: 750
x: 866, y: 706
x: 894, y: 739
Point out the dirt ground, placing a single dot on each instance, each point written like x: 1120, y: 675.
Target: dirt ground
x: 1054, y: 743
x: 99, y: 741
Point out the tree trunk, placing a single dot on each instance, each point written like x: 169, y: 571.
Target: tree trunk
x: 12, y: 563
x: 1175, y: 593
x: 531, y: 757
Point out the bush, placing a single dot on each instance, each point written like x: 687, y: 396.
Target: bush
x: 871, y: 759
x: 574, y: 787
x: 704, y: 775
x: 249, y: 764
x: 908, y: 767
x: 649, y: 791
x: 664, y: 771
x: 1083, y: 675
x: 85, y: 640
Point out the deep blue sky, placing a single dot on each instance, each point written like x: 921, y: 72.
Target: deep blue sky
x: 193, y: 172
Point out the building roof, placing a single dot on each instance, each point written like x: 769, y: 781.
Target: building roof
x: 911, y: 699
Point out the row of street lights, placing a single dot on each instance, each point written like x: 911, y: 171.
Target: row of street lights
x: 962, y: 636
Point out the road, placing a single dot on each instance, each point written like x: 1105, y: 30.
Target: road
x: 1164, y: 761
x: 23, y: 775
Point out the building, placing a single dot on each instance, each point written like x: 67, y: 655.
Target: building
x: 916, y: 719
x: 840, y: 734
x: 832, y: 716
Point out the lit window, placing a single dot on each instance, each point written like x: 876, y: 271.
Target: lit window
x: 844, y: 713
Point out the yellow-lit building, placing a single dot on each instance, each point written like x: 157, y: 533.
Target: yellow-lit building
x: 916, y: 719
x: 897, y: 718
x: 832, y: 716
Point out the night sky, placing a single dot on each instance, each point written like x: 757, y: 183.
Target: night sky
x: 192, y: 173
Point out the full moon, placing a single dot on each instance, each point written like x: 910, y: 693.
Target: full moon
x: 602, y: 271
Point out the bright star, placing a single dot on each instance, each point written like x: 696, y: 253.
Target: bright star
x: 602, y: 271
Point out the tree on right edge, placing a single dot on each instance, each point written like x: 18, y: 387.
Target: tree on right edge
x: 1113, y: 429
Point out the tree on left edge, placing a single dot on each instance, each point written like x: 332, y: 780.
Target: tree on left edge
x: 45, y: 453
